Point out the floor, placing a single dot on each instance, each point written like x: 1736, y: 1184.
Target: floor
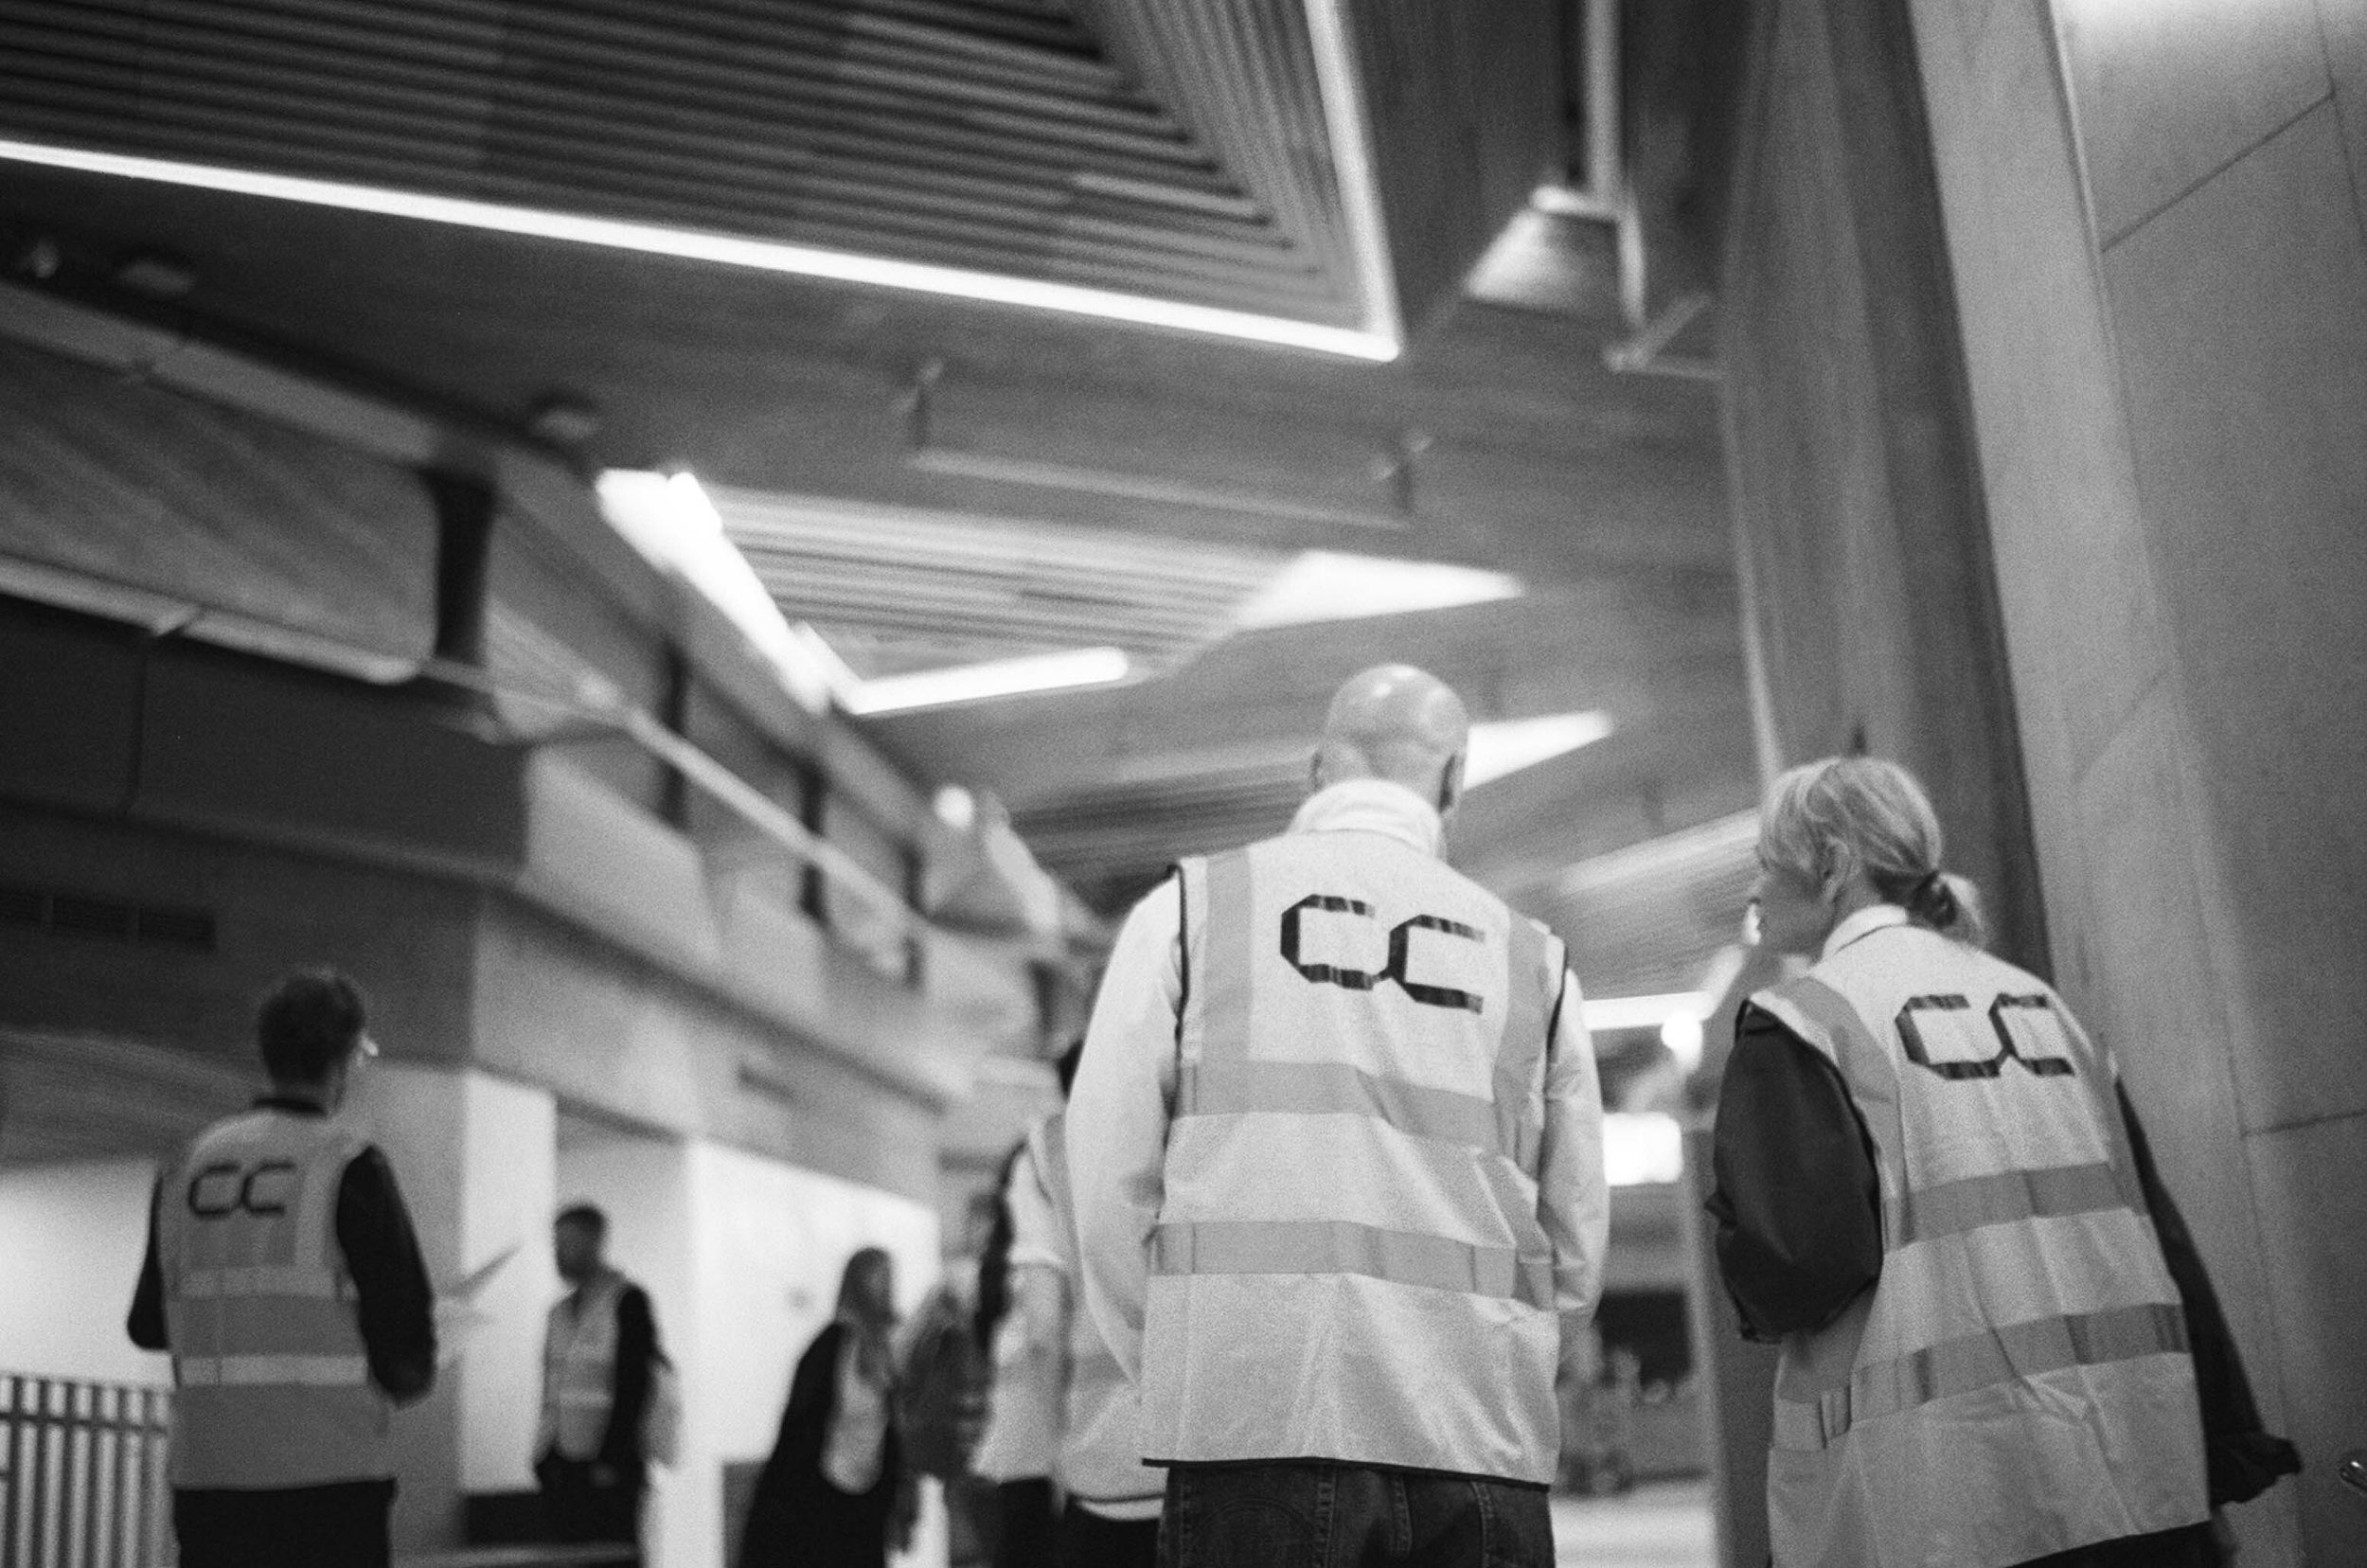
x: 1659, y: 1524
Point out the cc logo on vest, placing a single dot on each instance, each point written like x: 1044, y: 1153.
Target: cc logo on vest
x: 2021, y: 1026
x: 227, y: 1187
x: 1400, y: 945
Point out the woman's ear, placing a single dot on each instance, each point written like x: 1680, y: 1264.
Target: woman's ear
x: 1836, y: 880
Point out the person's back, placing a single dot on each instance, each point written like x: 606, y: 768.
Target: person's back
x: 1933, y: 1193
x: 2022, y: 1289
x: 1350, y: 1229
x: 283, y: 1275
x: 1336, y: 1149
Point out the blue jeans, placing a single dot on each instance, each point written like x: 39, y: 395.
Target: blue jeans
x: 1322, y: 1515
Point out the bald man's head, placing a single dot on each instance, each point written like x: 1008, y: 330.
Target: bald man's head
x: 1400, y: 724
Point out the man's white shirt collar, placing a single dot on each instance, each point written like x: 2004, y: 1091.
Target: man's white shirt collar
x: 1872, y: 918
x: 1374, y: 806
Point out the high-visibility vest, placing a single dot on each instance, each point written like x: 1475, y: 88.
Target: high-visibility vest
x: 2017, y: 1383
x: 579, y: 1369
x: 1100, y: 1464
x: 272, y: 1378
x: 1348, y: 1262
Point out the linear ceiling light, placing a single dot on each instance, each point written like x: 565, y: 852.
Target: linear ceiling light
x: 976, y: 683
x: 1323, y: 585
x: 1508, y: 745
x: 728, y: 249
x: 669, y: 518
x: 1643, y: 1012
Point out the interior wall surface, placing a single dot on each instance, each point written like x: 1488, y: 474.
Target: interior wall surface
x: 2152, y: 224
x: 2156, y: 220
x: 768, y: 1242
x: 1861, y: 526
x: 73, y: 1235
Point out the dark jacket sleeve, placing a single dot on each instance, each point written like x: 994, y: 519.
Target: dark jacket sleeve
x: 636, y: 1347
x: 395, y: 1302
x: 2242, y: 1459
x: 1797, y: 1201
x: 765, y: 1539
x: 145, y: 1323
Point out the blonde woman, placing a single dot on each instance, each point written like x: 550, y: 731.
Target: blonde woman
x: 1999, y: 1348
x: 834, y: 1493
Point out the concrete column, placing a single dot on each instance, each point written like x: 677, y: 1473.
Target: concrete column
x: 72, y: 1236
x: 474, y: 1156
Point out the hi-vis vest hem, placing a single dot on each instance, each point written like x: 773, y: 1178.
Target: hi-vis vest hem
x: 1348, y: 1262
x: 2017, y: 1383
x: 272, y: 1378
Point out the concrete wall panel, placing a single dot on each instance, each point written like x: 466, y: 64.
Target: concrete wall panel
x: 2310, y: 1228
x: 2242, y: 321
x: 2345, y: 25
x: 2171, y: 91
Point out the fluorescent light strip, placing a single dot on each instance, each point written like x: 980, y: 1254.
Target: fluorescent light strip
x: 999, y: 678
x: 1643, y: 1012
x: 728, y: 249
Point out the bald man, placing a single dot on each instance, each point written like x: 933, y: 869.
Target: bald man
x: 1336, y: 1145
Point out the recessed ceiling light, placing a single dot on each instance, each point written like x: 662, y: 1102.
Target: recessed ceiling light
x: 1508, y: 745
x: 1322, y: 585
x: 730, y: 249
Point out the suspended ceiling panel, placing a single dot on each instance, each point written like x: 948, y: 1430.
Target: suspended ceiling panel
x: 896, y: 590
x: 995, y: 136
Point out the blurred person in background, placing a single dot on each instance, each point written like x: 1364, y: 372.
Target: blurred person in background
x: 834, y: 1492
x: 599, y: 1357
x: 1019, y: 1323
x: 1111, y: 1500
x: 1336, y: 1152
x: 1999, y: 1346
x: 283, y: 1275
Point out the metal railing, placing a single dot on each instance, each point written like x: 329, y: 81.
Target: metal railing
x: 82, y: 1475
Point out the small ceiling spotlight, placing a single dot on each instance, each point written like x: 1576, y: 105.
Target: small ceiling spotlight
x: 157, y: 273
x: 565, y: 418
x: 37, y: 259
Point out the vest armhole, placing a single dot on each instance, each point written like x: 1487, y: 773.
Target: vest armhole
x: 1561, y: 974
x: 1182, y: 954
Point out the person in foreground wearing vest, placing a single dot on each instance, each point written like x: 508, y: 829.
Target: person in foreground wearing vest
x: 599, y: 1349
x: 1336, y: 1151
x: 1999, y: 1346
x: 283, y: 1275
x: 1111, y: 1501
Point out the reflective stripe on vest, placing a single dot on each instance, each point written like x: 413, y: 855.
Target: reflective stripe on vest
x: 1341, y: 1247
x: 2024, y: 1322
x: 579, y: 1369
x: 259, y: 1371
x: 273, y: 1375
x: 1359, y: 1120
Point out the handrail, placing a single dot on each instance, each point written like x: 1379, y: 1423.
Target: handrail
x: 81, y: 1473
x: 595, y: 700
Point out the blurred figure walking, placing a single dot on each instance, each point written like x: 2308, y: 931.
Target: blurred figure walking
x: 1111, y: 1501
x: 834, y: 1493
x: 600, y: 1358
x: 1933, y: 1192
x: 1336, y: 1145
x: 1019, y: 1325
x: 283, y: 1275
